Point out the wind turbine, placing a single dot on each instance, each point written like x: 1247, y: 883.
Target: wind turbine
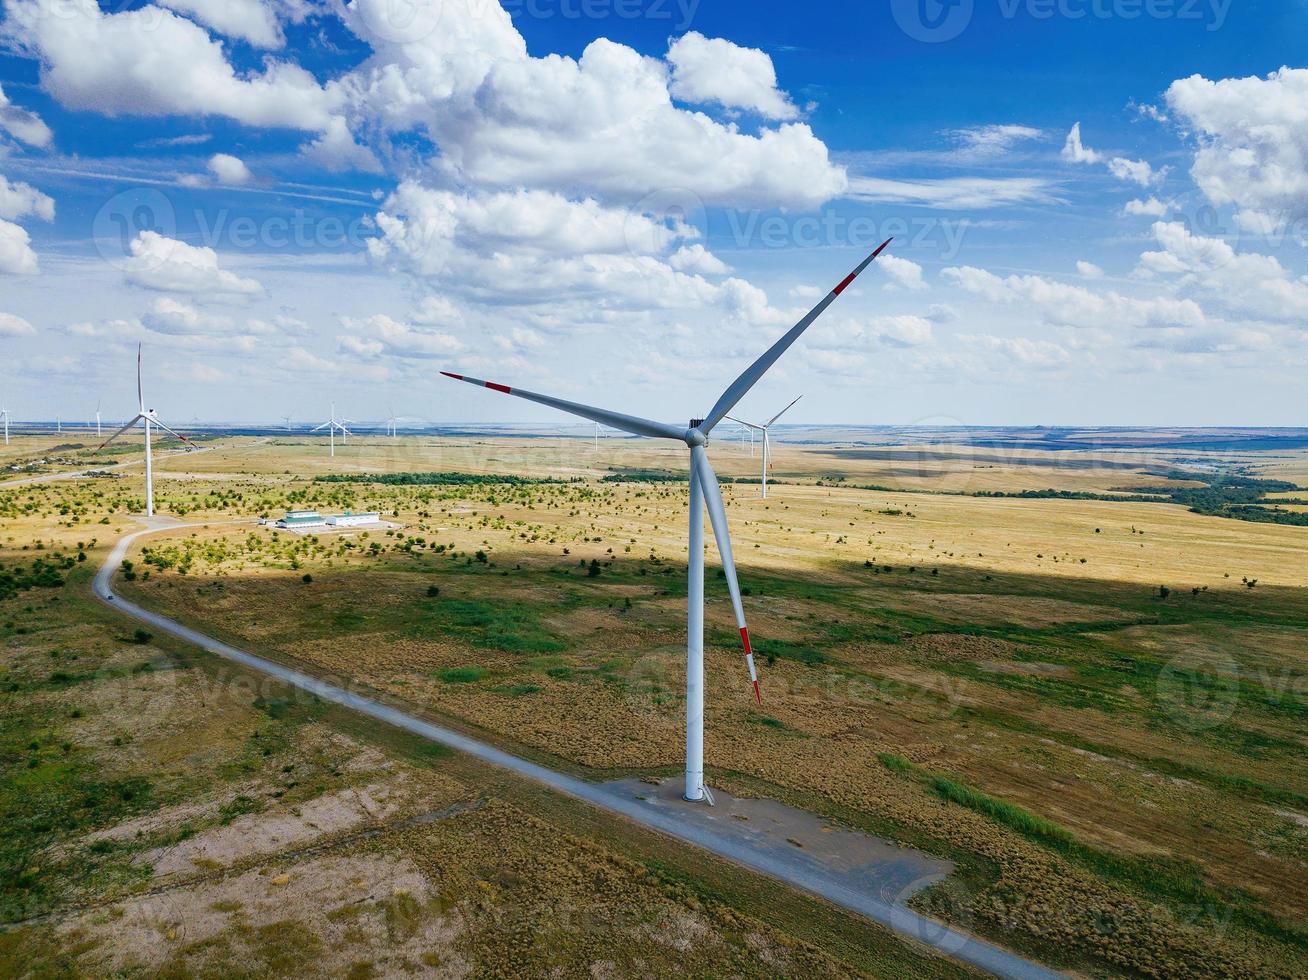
x: 704, y: 490
x: 390, y: 423
x: 97, y: 418
x: 767, y: 441
x: 4, y: 414
x: 148, y: 416
x: 331, y: 425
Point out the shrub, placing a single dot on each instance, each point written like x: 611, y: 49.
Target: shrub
x: 142, y: 637
x: 306, y: 579
x: 895, y: 763
x: 462, y: 675
x: 1001, y: 811
x: 433, y: 591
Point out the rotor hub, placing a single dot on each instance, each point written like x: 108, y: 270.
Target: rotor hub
x: 694, y: 437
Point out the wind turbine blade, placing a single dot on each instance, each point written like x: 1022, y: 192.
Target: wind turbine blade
x: 627, y: 423
x: 708, y: 482
x: 121, y: 431
x: 783, y: 412
x: 746, y: 381
x: 140, y: 390
x: 321, y: 427
x: 748, y: 425
x: 155, y: 420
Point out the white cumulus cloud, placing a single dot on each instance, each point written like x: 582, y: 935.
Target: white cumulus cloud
x: 902, y: 273
x: 19, y: 200
x: 151, y: 62
x: 696, y: 258
x: 16, y: 255
x: 1074, y: 151
x: 1252, y: 136
x: 1076, y: 306
x: 716, y: 71
x: 253, y: 21
x: 229, y: 170
x: 15, y: 326
x: 605, y: 121
x: 171, y: 266
x: 22, y: 124
x: 1152, y: 208
x: 380, y: 335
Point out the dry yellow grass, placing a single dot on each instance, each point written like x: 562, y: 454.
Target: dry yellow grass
x: 266, y: 836
x: 980, y: 708
x: 1015, y: 711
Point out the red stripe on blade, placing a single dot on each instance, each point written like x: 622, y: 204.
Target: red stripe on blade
x: 758, y: 696
x: 744, y: 635
x: 845, y: 285
x: 494, y: 387
x: 456, y: 377
x: 854, y: 275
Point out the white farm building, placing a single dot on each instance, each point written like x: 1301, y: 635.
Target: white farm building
x: 354, y: 520
x: 307, y: 520
x: 298, y: 519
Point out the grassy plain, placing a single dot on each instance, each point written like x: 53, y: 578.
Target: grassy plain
x: 1116, y: 769
x: 168, y: 815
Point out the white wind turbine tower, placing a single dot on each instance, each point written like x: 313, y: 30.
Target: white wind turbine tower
x: 391, y: 423
x: 331, y: 425
x: 767, y: 441
x: 97, y: 418
x: 704, y: 490
x: 147, y: 416
x: 4, y: 414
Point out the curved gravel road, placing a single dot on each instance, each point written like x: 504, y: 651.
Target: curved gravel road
x: 685, y: 823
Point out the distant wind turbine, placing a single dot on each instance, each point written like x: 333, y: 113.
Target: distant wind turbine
x: 767, y: 441
x: 150, y: 419
x: 4, y: 414
x: 331, y: 425
x: 704, y: 490
x: 97, y: 418
x: 391, y: 422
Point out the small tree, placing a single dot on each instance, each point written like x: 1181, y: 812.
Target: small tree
x: 1163, y: 592
x: 594, y: 570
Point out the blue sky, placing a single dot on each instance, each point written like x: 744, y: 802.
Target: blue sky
x: 622, y: 201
